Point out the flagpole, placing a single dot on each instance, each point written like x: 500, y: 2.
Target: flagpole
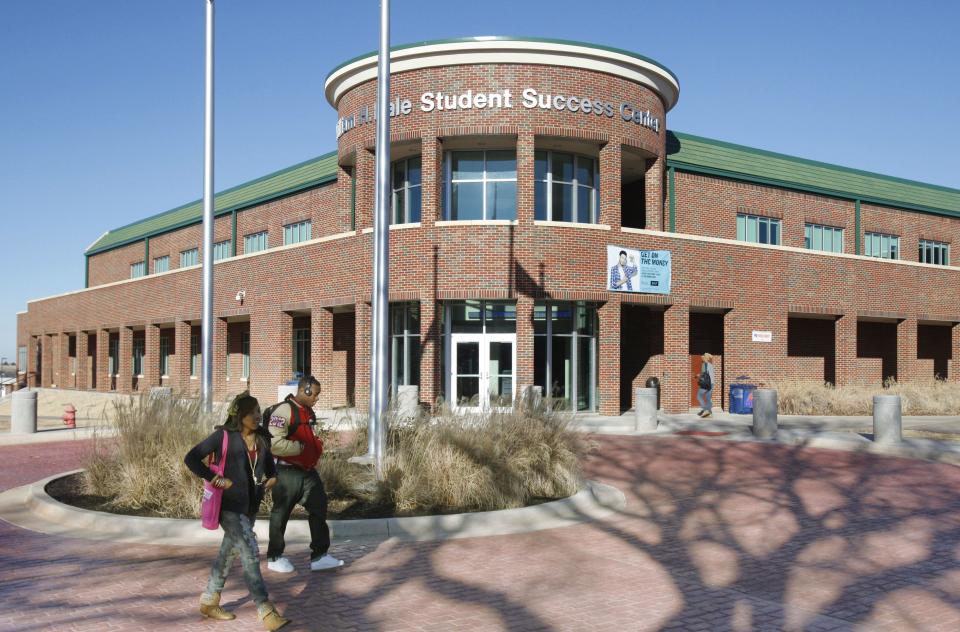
x: 206, y: 383
x: 379, y: 379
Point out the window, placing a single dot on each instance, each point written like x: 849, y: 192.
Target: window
x: 566, y: 188
x: 195, y: 355
x: 165, y: 355
x: 481, y: 185
x: 189, y: 257
x: 405, y: 345
x: 139, y: 345
x: 935, y: 252
x: 758, y: 230
x: 565, y: 353
x: 406, y: 191
x: 295, y: 233
x: 881, y: 246
x: 255, y: 242
x: 245, y: 353
x: 826, y: 238
x: 301, y: 352
x: 21, y: 360
x: 161, y: 264
x: 113, y: 359
x: 138, y: 269
x: 221, y: 250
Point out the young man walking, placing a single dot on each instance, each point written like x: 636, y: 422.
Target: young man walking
x: 297, y: 448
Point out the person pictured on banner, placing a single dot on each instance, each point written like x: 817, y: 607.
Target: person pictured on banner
x: 705, y: 383
x: 248, y: 472
x: 621, y: 274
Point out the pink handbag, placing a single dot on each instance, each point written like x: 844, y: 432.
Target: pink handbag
x: 213, y: 496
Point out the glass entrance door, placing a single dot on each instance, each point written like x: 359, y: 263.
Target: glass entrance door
x: 482, y: 367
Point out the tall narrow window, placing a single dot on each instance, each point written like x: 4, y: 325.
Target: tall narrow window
x: 481, y: 185
x: 139, y: 345
x: 255, y: 242
x: 195, y: 355
x: 295, y: 233
x: 406, y: 191
x: 935, y: 252
x: 245, y: 353
x: 565, y: 353
x: 301, y: 351
x: 161, y: 264
x: 405, y: 345
x: 881, y: 246
x: 138, y: 269
x: 189, y: 257
x: 165, y: 350
x: 113, y: 359
x: 565, y: 187
x: 221, y: 250
x: 826, y: 238
x: 21, y: 359
x: 758, y: 230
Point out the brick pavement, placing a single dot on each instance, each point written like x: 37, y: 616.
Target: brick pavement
x: 716, y: 536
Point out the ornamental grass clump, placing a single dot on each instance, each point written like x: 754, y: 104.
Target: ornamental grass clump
x: 934, y: 397
x: 140, y: 467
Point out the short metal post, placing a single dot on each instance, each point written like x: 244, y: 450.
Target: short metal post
x: 765, y: 413
x: 887, y: 420
x: 645, y: 409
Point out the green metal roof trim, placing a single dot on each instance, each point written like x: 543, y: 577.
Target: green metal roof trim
x: 506, y: 38
x: 695, y: 153
x: 307, y: 174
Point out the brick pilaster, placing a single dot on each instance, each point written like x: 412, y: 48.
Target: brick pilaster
x: 526, y: 204
x: 953, y: 372
x: 907, y: 349
x: 362, y: 357
x: 524, y: 372
x: 608, y: 378
x: 83, y: 368
x: 33, y: 376
x: 611, y: 165
x: 271, y: 348
x: 103, y: 360
x: 430, y: 172
x: 366, y: 172
x: 654, y: 186
x: 675, y: 388
x: 321, y: 352
x: 221, y: 388
x: 46, y: 361
x: 125, y: 374
x: 61, y: 363
x: 180, y: 361
x: 431, y: 346
x: 845, y: 349
x: 151, y: 357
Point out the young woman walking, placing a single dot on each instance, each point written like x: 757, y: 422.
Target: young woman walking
x: 249, y: 472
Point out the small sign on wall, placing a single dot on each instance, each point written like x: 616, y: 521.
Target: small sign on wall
x: 763, y: 336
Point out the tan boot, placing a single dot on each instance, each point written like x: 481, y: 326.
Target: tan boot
x: 210, y: 608
x: 272, y: 620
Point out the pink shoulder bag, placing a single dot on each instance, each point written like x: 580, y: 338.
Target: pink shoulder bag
x: 213, y: 496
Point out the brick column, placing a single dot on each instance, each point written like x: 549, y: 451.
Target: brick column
x: 362, y: 357
x: 271, y: 348
x: 125, y: 374
x: 219, y: 368
x: 46, y: 361
x: 151, y: 357
x: 83, y: 371
x: 845, y: 348
x: 675, y: 390
x: 608, y: 378
x: 180, y: 361
x: 431, y: 348
x: 907, y: 349
x: 611, y: 164
x: 366, y: 171
x: 431, y: 158
x: 654, y: 186
x: 61, y: 360
x: 103, y: 360
x: 33, y: 376
x: 321, y: 352
x: 953, y: 372
x: 524, y: 371
x: 526, y: 204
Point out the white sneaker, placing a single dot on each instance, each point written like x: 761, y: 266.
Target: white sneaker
x: 280, y: 565
x: 325, y: 563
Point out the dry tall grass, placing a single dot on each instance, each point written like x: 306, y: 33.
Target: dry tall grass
x: 814, y: 398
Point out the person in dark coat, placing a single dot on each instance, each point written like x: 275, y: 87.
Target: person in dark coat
x: 250, y: 471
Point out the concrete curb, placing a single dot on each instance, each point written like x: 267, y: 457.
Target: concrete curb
x: 30, y: 507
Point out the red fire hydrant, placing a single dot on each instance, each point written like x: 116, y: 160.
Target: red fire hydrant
x: 69, y: 416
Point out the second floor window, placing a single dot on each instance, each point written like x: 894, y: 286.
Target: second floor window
x: 758, y: 230
x: 138, y: 269
x: 255, y: 242
x: 295, y: 233
x: 406, y: 191
x: 565, y: 187
x: 161, y: 264
x: 221, y: 250
x: 881, y: 246
x: 935, y: 252
x: 189, y: 257
x: 826, y: 238
x: 481, y: 185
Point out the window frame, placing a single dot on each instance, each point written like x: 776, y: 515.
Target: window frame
x: 138, y: 269
x: 751, y: 225
x: 187, y: 255
x: 196, y: 355
x: 164, y: 356
x: 810, y: 240
x: 574, y: 184
x: 219, y: 248
x: 870, y: 238
x: 303, y: 226
x: 402, y: 373
x: 300, y: 352
x: 21, y: 360
x: 930, y: 250
x: 483, y: 181
x: 405, y: 189
x: 165, y: 267
x: 248, y: 239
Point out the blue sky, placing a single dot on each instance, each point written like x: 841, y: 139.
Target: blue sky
x: 101, y: 115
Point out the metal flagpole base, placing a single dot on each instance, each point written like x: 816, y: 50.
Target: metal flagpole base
x: 366, y: 459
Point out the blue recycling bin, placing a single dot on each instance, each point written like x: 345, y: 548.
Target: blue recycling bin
x: 741, y: 398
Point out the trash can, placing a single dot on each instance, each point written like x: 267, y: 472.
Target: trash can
x: 741, y: 398
x: 654, y: 382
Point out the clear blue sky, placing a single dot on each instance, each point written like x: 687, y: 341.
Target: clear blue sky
x: 101, y: 109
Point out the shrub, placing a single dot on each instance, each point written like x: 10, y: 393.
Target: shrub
x: 936, y: 397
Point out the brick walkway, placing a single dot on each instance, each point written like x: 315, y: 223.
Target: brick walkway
x: 717, y: 536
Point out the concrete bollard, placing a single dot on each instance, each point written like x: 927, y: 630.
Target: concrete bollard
x: 24, y: 417
x: 530, y: 396
x: 887, y: 422
x: 161, y: 392
x: 645, y: 409
x: 765, y: 413
x: 408, y: 402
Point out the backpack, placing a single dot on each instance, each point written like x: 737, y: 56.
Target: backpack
x: 704, y: 381
x: 268, y: 413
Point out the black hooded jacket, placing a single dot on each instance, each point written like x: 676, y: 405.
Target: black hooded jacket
x: 244, y: 496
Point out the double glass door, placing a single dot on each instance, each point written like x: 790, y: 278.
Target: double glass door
x: 482, y: 367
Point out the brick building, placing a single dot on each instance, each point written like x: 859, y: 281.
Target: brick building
x: 522, y: 168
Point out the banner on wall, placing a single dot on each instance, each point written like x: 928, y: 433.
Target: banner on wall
x: 646, y: 271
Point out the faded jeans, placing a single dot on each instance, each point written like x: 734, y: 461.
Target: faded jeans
x: 238, y: 540
x: 703, y: 396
